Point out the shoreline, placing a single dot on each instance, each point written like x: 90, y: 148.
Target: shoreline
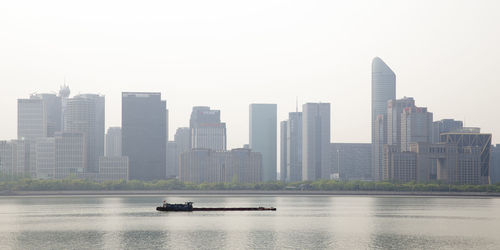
x: 242, y: 193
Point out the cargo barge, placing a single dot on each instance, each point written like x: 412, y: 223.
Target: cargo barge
x: 188, y: 207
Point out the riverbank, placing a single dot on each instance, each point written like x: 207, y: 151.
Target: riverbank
x: 245, y: 193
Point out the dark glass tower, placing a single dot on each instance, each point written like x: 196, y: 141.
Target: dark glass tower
x: 144, y: 129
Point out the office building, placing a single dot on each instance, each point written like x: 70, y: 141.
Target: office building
x: 377, y: 147
x: 445, y: 126
x: 113, y: 168
x: 31, y: 119
x: 283, y: 150
x: 144, y: 120
x: 351, y: 161
x: 316, y: 141
x: 263, y: 137
x: 470, y: 142
x: 114, y: 142
x: 207, y: 130
x: 383, y: 90
x: 85, y: 114
x: 45, y: 149
x: 495, y: 164
x: 70, y: 153
x: 7, y: 158
x: 243, y: 166
x: 416, y: 126
x: 395, y: 109
x: 53, y: 108
x: 209, y: 166
x: 202, y: 165
x: 173, y: 155
x: 294, y: 147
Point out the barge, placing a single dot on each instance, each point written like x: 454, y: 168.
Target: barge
x: 188, y: 207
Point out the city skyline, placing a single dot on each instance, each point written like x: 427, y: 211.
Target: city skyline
x: 197, y: 60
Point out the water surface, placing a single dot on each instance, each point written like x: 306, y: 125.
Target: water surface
x: 301, y: 222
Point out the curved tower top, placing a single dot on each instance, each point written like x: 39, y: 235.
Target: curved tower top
x: 383, y: 89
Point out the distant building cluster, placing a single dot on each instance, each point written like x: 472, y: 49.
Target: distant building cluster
x: 408, y: 145
x: 59, y: 136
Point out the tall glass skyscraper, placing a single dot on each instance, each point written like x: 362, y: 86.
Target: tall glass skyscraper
x: 316, y: 141
x: 383, y: 90
x: 144, y: 123
x: 263, y: 137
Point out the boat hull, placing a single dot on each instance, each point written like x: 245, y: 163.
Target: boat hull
x: 215, y: 209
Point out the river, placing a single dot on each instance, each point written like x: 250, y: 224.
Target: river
x: 300, y: 222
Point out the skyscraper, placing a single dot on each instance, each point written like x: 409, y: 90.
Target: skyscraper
x: 85, y: 114
x: 70, y: 153
x: 31, y: 119
x: 144, y: 122
x: 283, y: 150
x: 395, y: 109
x: 316, y: 141
x: 416, y: 126
x: 54, y: 112
x: 294, y: 147
x: 114, y: 142
x: 383, y: 90
x: 207, y: 131
x: 263, y: 137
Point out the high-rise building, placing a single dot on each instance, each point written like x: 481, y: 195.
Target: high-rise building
x: 202, y: 165
x: 113, y: 168
x: 7, y: 157
x: 183, y: 139
x: 377, y: 147
x: 383, y: 90
x: 144, y: 122
x: 352, y: 161
x: 45, y: 157
x: 243, y: 166
x: 445, y: 126
x: 495, y: 164
x: 85, y: 114
x: 294, y: 147
x: 70, y: 153
x: 206, y: 165
x: 31, y: 119
x: 316, y: 141
x: 173, y: 155
x: 114, y: 142
x: 470, y: 142
x: 394, y: 110
x: 207, y: 131
x: 54, y: 112
x: 263, y: 137
x: 283, y: 150
x: 416, y: 126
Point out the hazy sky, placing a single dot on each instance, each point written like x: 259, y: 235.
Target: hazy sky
x: 228, y: 54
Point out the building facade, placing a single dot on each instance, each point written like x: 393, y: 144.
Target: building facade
x: 316, y: 141
x: 383, y: 89
x: 263, y: 137
x: 113, y: 168
x: 70, y: 153
x: 85, y: 114
x: 144, y: 119
x: 352, y: 161
x: 207, y: 131
x: 31, y: 119
x: 114, y: 142
x: 209, y: 166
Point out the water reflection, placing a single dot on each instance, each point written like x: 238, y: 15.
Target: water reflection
x: 308, y: 222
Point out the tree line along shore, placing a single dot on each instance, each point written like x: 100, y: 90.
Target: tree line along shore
x: 12, y: 184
